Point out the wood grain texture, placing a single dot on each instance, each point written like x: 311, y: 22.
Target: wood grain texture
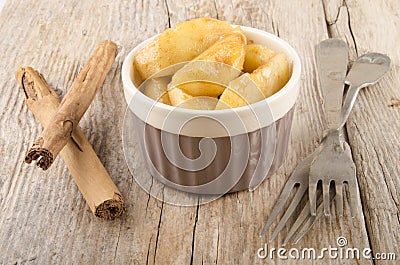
x: 44, y: 219
x: 373, y: 125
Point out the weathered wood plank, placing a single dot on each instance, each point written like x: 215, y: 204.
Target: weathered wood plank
x: 373, y: 126
x: 44, y: 219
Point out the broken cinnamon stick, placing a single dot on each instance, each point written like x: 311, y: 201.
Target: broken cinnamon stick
x: 75, y: 103
x: 92, y: 179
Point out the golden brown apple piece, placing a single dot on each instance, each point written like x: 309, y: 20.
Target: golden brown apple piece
x: 256, y: 55
x: 188, y: 40
x: 210, y: 72
x: 199, y: 103
x: 156, y: 88
x: 261, y: 83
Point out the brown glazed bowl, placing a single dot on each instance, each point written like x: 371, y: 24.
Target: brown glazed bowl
x: 215, y: 151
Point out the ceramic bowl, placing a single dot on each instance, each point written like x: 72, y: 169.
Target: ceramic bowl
x: 215, y: 151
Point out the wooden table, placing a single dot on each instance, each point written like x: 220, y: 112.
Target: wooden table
x: 43, y: 217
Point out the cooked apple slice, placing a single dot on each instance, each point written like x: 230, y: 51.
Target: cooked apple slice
x: 182, y: 44
x: 229, y: 49
x: 178, y: 96
x: 210, y: 72
x: 261, y: 83
x: 156, y: 88
x: 199, y: 103
x: 272, y: 76
x: 203, y: 88
x: 240, y: 92
x: 256, y: 55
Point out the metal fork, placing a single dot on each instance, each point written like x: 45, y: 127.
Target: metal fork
x: 332, y: 165
x: 299, y: 177
x: 332, y: 59
x: 305, y: 220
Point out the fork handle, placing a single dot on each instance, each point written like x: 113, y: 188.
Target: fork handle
x: 331, y: 60
x: 348, y: 104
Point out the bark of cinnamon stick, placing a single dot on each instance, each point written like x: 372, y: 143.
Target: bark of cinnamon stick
x: 78, y: 98
x: 92, y: 179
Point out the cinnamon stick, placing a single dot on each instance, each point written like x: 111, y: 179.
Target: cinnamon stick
x: 92, y: 179
x: 78, y: 98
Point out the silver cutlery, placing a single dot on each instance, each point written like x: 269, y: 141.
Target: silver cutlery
x: 367, y: 70
x: 305, y: 220
x: 332, y: 59
x: 331, y: 76
x: 332, y: 164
